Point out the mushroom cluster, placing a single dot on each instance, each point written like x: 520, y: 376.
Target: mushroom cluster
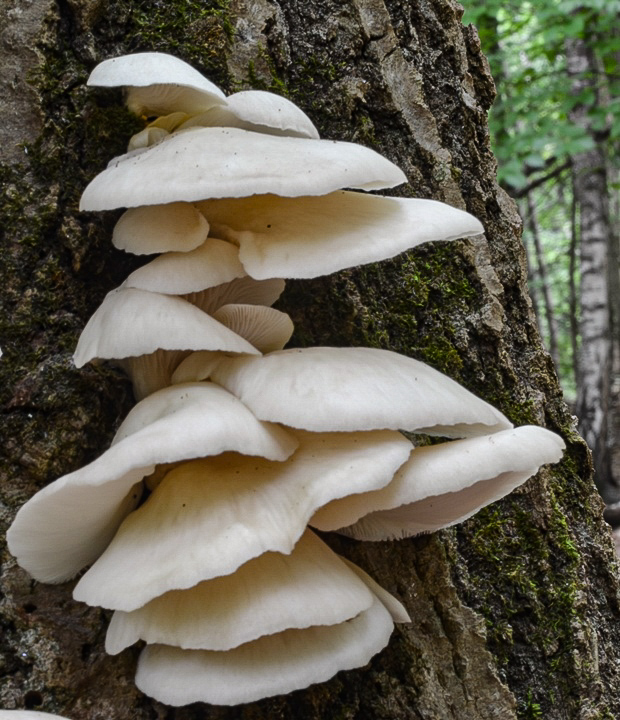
x: 196, y: 522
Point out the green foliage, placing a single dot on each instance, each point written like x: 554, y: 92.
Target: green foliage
x: 535, y: 128
x: 525, y: 42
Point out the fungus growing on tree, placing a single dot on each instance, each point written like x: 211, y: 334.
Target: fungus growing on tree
x: 157, y: 228
x: 194, y: 521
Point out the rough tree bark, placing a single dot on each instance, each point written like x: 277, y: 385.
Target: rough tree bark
x: 515, y: 613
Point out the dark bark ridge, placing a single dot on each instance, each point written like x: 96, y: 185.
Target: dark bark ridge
x: 525, y: 595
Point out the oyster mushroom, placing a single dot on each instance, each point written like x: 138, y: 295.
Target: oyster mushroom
x: 157, y: 84
x: 70, y: 522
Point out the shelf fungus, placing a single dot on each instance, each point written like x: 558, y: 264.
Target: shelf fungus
x: 195, y: 522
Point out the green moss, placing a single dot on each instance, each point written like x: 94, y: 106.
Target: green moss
x: 530, y: 710
x: 200, y: 32
x: 537, y: 600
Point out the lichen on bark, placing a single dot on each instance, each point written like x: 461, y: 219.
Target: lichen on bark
x: 515, y: 613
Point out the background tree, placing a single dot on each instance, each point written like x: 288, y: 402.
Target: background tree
x: 556, y: 125
x: 515, y: 613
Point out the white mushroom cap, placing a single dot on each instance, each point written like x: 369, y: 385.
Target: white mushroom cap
x: 178, y: 273
x: 68, y: 524
x: 269, y: 594
x: 133, y: 322
x: 244, y: 290
x: 345, y: 389
x: 265, y: 328
x: 441, y: 485
x: 240, y: 163
x: 306, y: 237
x: 272, y: 665
x: 258, y: 111
x: 158, y: 228
x: 230, y: 509
x: 196, y: 366
x: 158, y: 84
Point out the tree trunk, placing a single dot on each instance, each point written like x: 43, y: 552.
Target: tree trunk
x: 514, y: 613
x: 543, y: 275
x: 593, y: 406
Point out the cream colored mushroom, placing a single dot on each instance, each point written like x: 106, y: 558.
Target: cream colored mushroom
x: 266, y: 329
x: 345, y: 389
x: 243, y: 290
x: 133, y: 322
x: 157, y: 84
x: 269, y: 594
x: 272, y: 665
x: 258, y: 111
x: 241, y: 163
x: 213, y: 263
x: 304, y: 237
x: 158, y: 228
x: 230, y: 509
x: 69, y: 523
x: 444, y: 484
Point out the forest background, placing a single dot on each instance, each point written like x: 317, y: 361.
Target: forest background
x: 555, y: 129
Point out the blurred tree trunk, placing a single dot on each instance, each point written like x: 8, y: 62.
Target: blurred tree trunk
x: 531, y: 216
x: 590, y: 187
x: 515, y: 613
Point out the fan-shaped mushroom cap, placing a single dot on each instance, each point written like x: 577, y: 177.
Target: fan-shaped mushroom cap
x: 258, y: 111
x: 68, y: 524
x: 228, y: 510
x: 269, y: 594
x: 240, y: 163
x: 133, y: 322
x: 159, y: 228
x: 158, y: 84
x: 243, y: 290
x: 271, y: 665
x: 441, y: 485
x: 344, y: 389
x: 178, y: 273
x: 267, y: 329
x: 306, y: 237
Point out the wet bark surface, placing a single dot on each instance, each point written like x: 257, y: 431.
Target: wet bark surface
x: 514, y: 613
